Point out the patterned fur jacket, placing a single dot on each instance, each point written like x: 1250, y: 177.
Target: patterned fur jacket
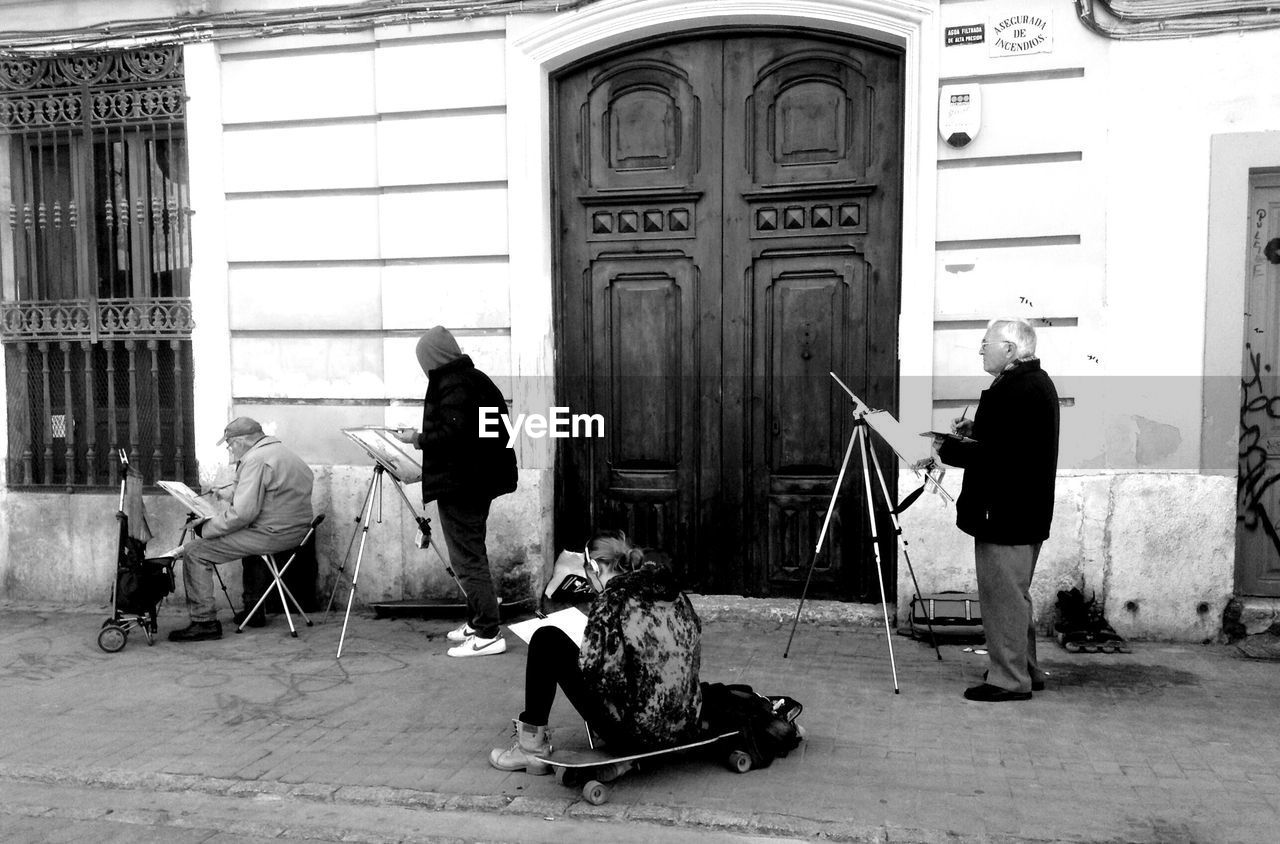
x: 641, y: 653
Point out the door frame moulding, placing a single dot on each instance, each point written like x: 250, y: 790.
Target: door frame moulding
x: 1233, y: 158
x: 540, y: 45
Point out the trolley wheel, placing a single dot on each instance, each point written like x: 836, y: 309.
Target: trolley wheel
x: 740, y: 761
x: 112, y: 638
x: 108, y: 621
x: 595, y: 792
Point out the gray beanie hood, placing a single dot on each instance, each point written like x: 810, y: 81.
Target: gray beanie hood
x: 436, y: 348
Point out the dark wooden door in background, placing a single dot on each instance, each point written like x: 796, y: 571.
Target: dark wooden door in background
x: 728, y: 216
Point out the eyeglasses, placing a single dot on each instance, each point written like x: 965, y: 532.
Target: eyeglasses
x: 983, y: 346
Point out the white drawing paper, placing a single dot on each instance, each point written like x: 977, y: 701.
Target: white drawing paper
x: 190, y: 499
x: 388, y: 452
x: 571, y: 620
x: 910, y: 446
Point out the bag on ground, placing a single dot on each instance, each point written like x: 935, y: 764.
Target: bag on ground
x: 767, y: 724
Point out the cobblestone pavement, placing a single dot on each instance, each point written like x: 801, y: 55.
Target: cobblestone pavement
x: 1171, y: 743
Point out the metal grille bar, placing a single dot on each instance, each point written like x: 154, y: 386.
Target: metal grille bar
x: 96, y: 333
x: 75, y: 319
x: 92, y: 90
x: 68, y: 427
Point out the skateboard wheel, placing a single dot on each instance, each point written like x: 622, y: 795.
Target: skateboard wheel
x: 595, y: 793
x: 570, y: 777
x: 112, y: 638
x: 740, y: 761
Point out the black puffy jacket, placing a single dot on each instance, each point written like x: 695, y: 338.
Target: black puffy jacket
x: 455, y: 458
x: 1011, y: 463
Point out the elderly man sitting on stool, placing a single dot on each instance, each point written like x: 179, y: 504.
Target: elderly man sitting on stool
x: 270, y: 511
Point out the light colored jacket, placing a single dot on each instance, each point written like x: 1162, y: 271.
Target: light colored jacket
x: 272, y: 494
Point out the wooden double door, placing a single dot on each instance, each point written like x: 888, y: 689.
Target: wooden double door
x: 728, y: 219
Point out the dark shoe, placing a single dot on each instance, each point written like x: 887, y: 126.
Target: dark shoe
x: 197, y: 631
x: 988, y: 693
x: 258, y: 619
x: 1036, y: 685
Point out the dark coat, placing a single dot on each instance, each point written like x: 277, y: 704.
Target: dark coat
x: 1011, y: 462
x: 455, y: 458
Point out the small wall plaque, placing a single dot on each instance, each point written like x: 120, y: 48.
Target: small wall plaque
x: 1021, y: 33
x: 974, y: 33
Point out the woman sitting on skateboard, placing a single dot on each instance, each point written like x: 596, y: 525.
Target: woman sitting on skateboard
x: 635, y: 678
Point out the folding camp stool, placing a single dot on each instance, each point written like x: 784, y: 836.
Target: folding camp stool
x: 277, y: 577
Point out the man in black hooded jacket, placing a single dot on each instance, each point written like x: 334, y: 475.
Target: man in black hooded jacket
x: 463, y: 472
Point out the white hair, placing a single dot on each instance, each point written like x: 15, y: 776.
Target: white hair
x: 1018, y: 332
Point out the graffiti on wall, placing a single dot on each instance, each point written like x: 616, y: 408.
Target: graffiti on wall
x: 1256, y: 473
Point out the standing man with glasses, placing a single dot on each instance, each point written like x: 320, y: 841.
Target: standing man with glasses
x: 269, y: 511
x: 1009, y: 452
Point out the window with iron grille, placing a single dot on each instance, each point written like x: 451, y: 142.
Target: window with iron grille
x: 95, y: 261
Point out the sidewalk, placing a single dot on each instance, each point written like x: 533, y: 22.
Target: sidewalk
x: 1170, y: 743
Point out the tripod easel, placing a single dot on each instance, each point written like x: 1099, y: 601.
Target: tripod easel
x: 859, y: 437
x: 362, y: 530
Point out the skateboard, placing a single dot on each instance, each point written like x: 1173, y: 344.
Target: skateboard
x: 593, y: 770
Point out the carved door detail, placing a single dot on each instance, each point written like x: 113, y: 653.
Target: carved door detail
x: 728, y: 216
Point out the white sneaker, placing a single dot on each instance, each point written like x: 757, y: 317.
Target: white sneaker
x: 460, y: 634
x: 475, y: 646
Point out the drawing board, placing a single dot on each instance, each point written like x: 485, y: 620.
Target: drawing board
x: 189, y: 498
x: 388, y: 452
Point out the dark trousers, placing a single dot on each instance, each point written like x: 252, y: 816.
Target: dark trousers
x: 1004, y: 595
x: 463, y: 519
x: 553, y: 661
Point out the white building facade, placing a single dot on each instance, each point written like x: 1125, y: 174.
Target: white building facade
x: 653, y: 189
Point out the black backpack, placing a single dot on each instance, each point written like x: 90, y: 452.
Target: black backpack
x: 767, y: 724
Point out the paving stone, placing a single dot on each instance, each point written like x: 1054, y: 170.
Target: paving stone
x: 1173, y: 740
x: 539, y: 806
x: 653, y: 814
